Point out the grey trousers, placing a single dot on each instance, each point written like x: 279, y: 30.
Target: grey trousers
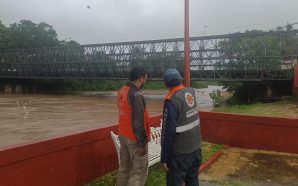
x: 133, y: 169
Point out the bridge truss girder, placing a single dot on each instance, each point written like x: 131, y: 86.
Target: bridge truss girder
x: 209, y: 61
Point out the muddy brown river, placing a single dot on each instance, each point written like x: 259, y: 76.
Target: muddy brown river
x: 29, y: 117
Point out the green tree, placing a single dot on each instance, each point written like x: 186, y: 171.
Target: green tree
x: 4, y: 36
x: 156, y: 62
x: 243, y: 92
x: 258, y: 49
x: 27, y: 34
x: 70, y: 43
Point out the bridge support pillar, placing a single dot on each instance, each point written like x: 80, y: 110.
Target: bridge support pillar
x: 12, y: 88
x: 295, y: 87
x: 8, y: 88
x: 268, y: 91
x: 19, y: 89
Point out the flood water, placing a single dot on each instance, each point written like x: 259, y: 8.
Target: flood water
x: 29, y: 117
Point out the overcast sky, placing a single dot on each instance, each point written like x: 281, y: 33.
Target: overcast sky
x: 129, y: 20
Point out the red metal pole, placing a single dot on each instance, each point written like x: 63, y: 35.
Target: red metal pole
x: 186, y: 45
x: 295, y: 87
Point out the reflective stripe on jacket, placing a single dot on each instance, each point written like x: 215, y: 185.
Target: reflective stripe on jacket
x: 187, y: 137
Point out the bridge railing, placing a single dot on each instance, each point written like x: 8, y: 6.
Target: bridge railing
x: 212, y: 57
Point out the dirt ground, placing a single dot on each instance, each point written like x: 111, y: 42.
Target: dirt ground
x: 242, y: 167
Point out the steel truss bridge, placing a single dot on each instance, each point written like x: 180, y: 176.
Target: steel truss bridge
x: 212, y: 58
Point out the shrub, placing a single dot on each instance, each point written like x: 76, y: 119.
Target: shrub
x: 217, y: 99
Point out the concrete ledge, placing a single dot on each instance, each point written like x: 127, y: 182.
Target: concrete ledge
x: 68, y: 160
x: 253, y: 132
x: 78, y: 158
x: 212, y: 159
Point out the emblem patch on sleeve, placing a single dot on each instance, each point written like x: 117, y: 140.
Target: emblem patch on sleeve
x: 189, y: 99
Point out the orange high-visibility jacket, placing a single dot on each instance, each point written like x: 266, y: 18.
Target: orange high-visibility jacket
x: 169, y: 95
x: 125, y: 115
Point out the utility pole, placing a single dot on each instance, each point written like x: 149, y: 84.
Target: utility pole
x: 186, y: 45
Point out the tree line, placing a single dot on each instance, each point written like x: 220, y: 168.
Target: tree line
x: 26, y: 34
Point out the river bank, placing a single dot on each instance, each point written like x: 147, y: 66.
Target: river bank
x: 286, y: 108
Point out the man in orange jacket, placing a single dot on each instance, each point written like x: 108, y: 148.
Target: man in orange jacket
x: 134, y: 131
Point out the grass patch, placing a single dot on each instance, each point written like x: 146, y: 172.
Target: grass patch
x: 156, y: 176
x: 285, y: 108
x: 99, y: 85
x: 107, y: 180
x: 209, y: 149
x: 154, y: 85
x: 199, y: 84
x: 159, y: 85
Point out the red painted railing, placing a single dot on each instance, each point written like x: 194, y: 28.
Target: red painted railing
x: 67, y: 160
x: 262, y: 133
x: 77, y: 159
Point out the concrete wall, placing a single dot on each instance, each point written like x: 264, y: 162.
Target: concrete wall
x: 69, y: 160
x: 76, y: 159
x: 261, y: 133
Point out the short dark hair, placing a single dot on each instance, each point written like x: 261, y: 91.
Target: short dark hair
x: 137, y: 72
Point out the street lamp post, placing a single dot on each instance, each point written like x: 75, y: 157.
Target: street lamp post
x: 186, y: 45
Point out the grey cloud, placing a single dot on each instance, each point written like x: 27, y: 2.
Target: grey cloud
x: 129, y: 20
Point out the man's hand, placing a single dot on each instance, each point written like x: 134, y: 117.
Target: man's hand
x: 164, y: 167
x: 141, y: 151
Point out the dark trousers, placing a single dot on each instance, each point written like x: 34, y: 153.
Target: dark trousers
x: 184, y: 168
